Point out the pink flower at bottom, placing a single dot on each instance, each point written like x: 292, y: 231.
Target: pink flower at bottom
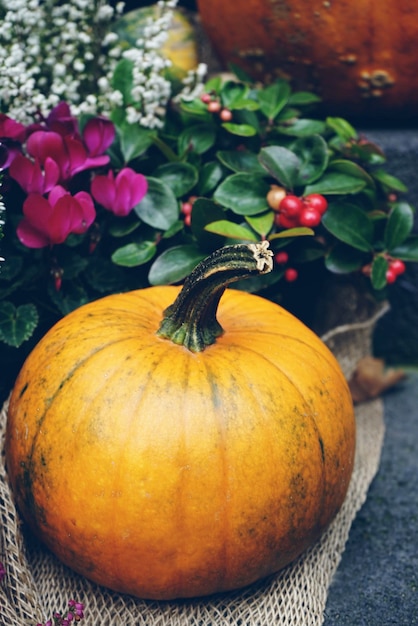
x: 121, y: 194
x: 49, y: 221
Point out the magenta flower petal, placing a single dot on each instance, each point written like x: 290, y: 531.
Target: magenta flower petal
x: 42, y: 144
x: 52, y: 174
x: 37, y: 211
x: 103, y: 190
x: 98, y: 135
x: 56, y: 193
x: 138, y: 184
x: 64, y: 217
x: 27, y: 173
x: 11, y: 129
x: 88, y: 211
x: 30, y: 236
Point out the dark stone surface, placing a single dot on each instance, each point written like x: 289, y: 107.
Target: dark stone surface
x: 377, y: 581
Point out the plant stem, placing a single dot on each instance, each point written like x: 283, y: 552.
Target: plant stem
x: 191, y: 320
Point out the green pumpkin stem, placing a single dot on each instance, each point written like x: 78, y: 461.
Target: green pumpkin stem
x: 191, y: 320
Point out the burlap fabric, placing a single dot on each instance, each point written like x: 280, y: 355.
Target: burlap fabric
x: 36, y: 584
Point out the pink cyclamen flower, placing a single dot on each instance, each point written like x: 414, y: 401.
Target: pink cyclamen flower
x: 68, y: 152
x: 30, y: 176
x: 49, y: 221
x: 98, y: 135
x: 11, y: 129
x: 121, y: 194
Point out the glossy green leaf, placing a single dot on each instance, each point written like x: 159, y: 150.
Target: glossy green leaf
x: 350, y: 225
x: 399, y: 225
x: 282, y: 164
x: 378, y: 275
x: 245, y: 194
x: 134, y: 140
x: 262, y: 224
x: 69, y: 297
x: 273, y: 98
x: 242, y: 130
x: 241, y: 161
x: 206, y: 211
x: 408, y: 250
x: 17, y: 323
x: 122, y: 79
x: 344, y: 166
x: 198, y: 138
x: 174, y: 264
x: 120, y: 227
x: 298, y: 231
x: 134, y: 254
x: 231, y: 230
x: 301, y: 98
x: 210, y: 175
x: 232, y: 92
x: 334, y: 183
x: 312, y: 152
x: 159, y: 208
x: 303, y: 127
x: 343, y: 259
x: 391, y: 183
x: 180, y: 177
x: 342, y: 128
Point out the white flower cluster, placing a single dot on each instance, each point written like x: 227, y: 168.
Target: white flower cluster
x: 151, y: 90
x: 52, y: 51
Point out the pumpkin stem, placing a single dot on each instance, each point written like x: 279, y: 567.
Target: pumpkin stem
x: 191, y: 320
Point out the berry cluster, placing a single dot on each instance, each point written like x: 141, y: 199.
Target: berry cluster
x: 293, y: 211
x: 214, y: 105
x: 75, y: 614
x: 186, y: 209
x: 290, y: 274
x: 395, y: 269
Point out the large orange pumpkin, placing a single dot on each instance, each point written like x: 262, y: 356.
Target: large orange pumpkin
x: 179, y: 459
x: 360, y: 56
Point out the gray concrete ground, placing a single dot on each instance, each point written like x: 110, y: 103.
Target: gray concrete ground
x: 377, y: 581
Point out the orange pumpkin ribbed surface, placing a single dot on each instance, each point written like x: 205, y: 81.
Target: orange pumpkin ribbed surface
x: 360, y: 56
x: 159, y: 461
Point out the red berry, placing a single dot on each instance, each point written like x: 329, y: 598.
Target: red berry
x: 285, y: 222
x: 309, y: 217
x: 290, y: 275
x: 206, y: 98
x: 188, y: 219
x: 281, y: 257
x: 316, y: 201
x: 214, y: 106
x: 391, y: 276
x: 186, y: 208
x: 397, y: 266
x: 225, y: 115
x: 291, y: 206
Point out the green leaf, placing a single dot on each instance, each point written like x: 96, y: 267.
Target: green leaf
x: 312, y: 152
x: 69, y: 297
x: 301, y: 98
x: 399, y: 225
x: 17, y: 323
x: 408, y: 250
x: 245, y: 194
x: 282, y: 164
x: 211, y: 173
x: 232, y: 92
x: 134, y: 140
x: 122, y: 226
x: 379, y: 269
x: 350, y: 168
x: 350, y: 225
x: 159, y: 208
x: 303, y: 127
x: 342, y: 128
x: 122, y: 79
x: 104, y: 276
x: 231, y: 230
x: 174, y: 264
x: 10, y: 269
x: 333, y: 183
x: 298, y: 231
x: 391, y: 183
x: 205, y: 211
x: 198, y: 138
x: 134, y: 254
x: 180, y: 177
x: 274, y: 98
x: 343, y: 259
x: 242, y: 130
x: 241, y: 161
x: 262, y: 224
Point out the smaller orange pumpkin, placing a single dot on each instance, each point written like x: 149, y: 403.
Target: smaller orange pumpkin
x: 184, y: 457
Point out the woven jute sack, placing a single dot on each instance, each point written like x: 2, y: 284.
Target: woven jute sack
x: 36, y: 584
